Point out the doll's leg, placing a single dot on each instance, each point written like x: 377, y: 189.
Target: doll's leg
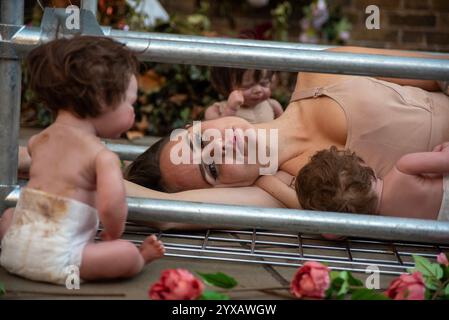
x: 5, y: 221
x: 118, y: 258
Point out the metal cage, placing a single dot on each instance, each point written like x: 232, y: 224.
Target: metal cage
x: 291, y: 243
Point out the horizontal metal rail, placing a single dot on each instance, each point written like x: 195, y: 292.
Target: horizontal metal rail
x: 281, y: 59
x: 126, y: 151
x: 213, y: 40
x: 300, y: 221
x: 261, y: 44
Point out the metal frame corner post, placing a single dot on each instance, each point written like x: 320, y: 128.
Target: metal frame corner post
x: 91, y: 5
x: 11, y: 12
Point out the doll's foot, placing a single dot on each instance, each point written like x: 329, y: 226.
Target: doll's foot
x: 151, y: 249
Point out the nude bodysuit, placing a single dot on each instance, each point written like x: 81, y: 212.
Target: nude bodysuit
x: 386, y: 120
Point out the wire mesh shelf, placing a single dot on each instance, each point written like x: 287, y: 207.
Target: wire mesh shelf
x: 287, y: 249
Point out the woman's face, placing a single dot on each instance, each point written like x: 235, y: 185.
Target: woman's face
x: 232, y: 167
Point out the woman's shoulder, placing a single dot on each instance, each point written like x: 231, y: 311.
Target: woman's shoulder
x: 308, y: 80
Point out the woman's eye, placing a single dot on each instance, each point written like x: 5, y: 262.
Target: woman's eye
x: 213, y: 170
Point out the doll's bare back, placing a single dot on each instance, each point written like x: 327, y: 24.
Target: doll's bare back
x: 63, y: 162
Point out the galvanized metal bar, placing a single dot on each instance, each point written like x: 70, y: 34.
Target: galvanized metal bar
x: 261, y: 44
x: 213, y: 40
x: 91, y: 5
x: 315, y: 222
x: 11, y: 12
x: 126, y: 151
x: 287, y: 59
x: 240, y: 56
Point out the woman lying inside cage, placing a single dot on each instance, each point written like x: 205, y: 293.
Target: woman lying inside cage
x: 231, y: 161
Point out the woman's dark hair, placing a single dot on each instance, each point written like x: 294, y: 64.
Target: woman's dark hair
x: 145, y: 170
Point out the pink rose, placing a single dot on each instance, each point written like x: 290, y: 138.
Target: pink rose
x: 442, y: 259
x: 311, y: 280
x: 407, y: 287
x: 176, y: 284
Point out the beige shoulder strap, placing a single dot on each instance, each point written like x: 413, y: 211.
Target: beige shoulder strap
x: 307, y: 93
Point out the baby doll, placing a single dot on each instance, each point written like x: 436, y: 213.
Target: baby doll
x: 340, y: 181
x: 248, y: 93
x: 90, y: 84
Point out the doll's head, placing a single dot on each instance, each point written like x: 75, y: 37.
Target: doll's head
x: 254, y: 84
x: 337, y: 181
x: 87, y: 76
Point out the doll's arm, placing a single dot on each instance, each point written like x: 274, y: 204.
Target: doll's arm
x: 111, y: 198
x: 235, y: 101
x: 422, y: 163
x: 277, y: 108
x: 212, y: 112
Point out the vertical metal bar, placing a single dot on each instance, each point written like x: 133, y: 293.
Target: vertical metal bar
x: 11, y: 12
x: 397, y: 255
x: 301, y: 249
x: 253, y: 241
x: 91, y: 5
x: 206, y: 239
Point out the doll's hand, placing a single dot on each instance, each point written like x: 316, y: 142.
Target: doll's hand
x: 444, y: 147
x: 235, y: 100
x: 104, y: 236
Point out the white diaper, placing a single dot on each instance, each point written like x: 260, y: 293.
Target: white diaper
x: 47, y: 235
x: 444, y: 209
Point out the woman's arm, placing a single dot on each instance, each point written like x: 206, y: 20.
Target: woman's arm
x: 244, y: 196
x: 429, y: 85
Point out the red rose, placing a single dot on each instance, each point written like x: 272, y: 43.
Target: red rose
x: 176, y: 284
x: 311, y: 280
x: 407, y: 287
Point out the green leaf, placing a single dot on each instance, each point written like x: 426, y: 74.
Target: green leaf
x: 329, y: 292
x: 427, y: 268
x: 2, y: 289
x: 334, y: 275
x: 431, y: 283
x: 213, y: 295
x: 218, y: 279
x: 367, y: 294
x: 343, y: 289
x: 446, y: 290
x: 354, y: 281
